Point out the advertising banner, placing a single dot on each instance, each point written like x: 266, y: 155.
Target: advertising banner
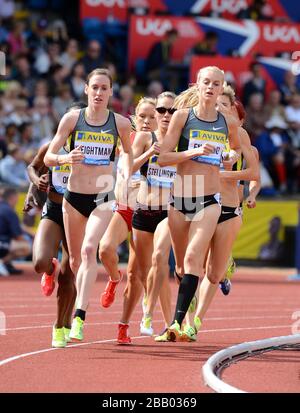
x: 243, y: 38
x: 266, y: 232
x: 146, y: 31
x: 228, y: 9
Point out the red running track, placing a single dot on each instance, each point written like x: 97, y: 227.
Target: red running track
x: 260, y: 306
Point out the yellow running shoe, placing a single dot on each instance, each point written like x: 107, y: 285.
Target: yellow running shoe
x: 189, y: 334
x: 67, y: 334
x: 76, y: 332
x: 162, y: 337
x: 174, y: 332
x: 197, y: 323
x: 231, y: 268
x: 193, y: 305
x: 58, y: 337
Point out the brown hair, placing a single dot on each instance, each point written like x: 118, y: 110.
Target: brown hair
x: 240, y: 109
x: 100, y: 71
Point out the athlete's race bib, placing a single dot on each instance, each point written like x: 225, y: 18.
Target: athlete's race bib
x: 96, y: 146
x: 217, y: 139
x: 160, y: 176
x: 60, y: 176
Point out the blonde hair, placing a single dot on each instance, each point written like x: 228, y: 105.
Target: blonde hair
x: 142, y: 100
x: 166, y: 94
x: 211, y: 68
x: 229, y: 92
x: 187, y: 99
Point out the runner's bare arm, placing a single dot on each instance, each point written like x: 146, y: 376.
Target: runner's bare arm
x: 234, y: 140
x: 252, y: 170
x: 65, y: 128
x: 142, y: 149
x: 124, y: 128
x: 37, y: 166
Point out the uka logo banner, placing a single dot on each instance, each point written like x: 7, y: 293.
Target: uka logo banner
x: 244, y: 38
x: 288, y: 9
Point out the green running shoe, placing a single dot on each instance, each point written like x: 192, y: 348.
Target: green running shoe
x: 76, y: 332
x: 197, y: 323
x: 193, y: 305
x: 146, y: 328
x: 58, y: 337
x: 231, y: 268
x: 189, y: 334
x: 174, y: 332
x: 162, y: 337
x: 67, y: 334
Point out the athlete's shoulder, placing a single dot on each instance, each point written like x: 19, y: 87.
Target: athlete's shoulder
x: 255, y: 151
x: 181, y: 116
x: 143, y: 135
x: 230, y: 120
x: 181, y: 113
x: 71, y: 117
x: 243, y: 134
x: 121, y: 120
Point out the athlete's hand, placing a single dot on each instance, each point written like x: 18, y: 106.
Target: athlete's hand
x: 205, y: 149
x: 43, y: 182
x: 229, y: 159
x: 29, y: 202
x: 75, y: 156
x: 251, y: 202
x: 155, y: 149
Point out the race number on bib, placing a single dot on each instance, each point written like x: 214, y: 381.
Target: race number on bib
x: 60, y: 176
x: 96, y: 147
x: 160, y: 176
x: 217, y: 139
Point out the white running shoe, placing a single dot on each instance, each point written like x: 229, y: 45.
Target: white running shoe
x: 146, y: 326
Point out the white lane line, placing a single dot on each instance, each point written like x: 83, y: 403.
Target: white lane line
x: 137, y: 322
x: 33, y: 353
x: 97, y: 313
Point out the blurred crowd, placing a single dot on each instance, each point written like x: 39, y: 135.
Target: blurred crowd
x: 48, y: 57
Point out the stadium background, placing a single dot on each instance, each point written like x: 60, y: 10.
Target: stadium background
x: 43, y: 41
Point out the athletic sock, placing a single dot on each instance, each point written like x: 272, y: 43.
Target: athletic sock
x: 80, y: 314
x: 186, y: 292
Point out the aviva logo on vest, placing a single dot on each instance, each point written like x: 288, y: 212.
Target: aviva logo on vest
x: 96, y: 137
x: 208, y: 136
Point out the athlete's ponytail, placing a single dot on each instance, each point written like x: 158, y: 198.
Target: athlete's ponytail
x: 187, y: 99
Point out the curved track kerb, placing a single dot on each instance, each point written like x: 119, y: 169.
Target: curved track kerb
x: 226, y: 357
